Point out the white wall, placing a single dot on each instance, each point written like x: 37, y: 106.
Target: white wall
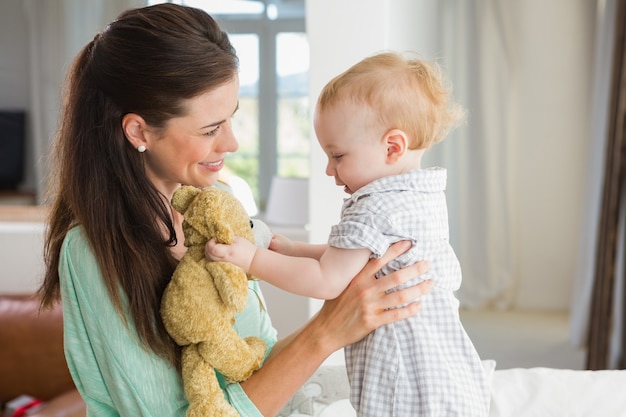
x: 21, y: 257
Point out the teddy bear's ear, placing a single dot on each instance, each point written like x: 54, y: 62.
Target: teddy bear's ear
x: 183, y: 197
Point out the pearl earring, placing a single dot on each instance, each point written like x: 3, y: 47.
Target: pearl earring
x: 141, y: 148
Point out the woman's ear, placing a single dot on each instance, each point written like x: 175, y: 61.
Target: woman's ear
x: 135, y: 128
x: 397, y: 144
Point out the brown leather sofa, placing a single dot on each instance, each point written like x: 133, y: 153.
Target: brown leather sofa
x: 31, y: 358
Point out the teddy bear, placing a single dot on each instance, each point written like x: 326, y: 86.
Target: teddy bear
x: 199, y: 303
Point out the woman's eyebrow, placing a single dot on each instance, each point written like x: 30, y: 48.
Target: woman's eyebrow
x: 221, y: 121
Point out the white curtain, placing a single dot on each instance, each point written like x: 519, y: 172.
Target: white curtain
x: 57, y: 30
x: 584, y: 278
x: 479, y: 52
x: 522, y: 70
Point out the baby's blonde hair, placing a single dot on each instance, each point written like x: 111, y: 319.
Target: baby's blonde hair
x: 406, y: 93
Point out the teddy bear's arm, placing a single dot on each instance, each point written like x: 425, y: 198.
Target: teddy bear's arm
x: 231, y: 283
x: 192, y: 306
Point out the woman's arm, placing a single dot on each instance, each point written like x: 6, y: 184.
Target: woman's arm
x: 362, y: 307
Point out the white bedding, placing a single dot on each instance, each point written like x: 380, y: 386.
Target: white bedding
x: 533, y: 392
x: 546, y: 392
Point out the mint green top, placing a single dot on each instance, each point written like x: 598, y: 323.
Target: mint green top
x: 114, y: 374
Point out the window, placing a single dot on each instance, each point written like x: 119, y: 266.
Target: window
x: 272, y: 124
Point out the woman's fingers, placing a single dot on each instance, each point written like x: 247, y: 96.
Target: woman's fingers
x: 406, y: 298
x: 395, y: 250
x: 401, y: 276
x: 396, y: 314
x: 367, y: 303
x: 396, y: 298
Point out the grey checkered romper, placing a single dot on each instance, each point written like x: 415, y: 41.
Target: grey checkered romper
x: 425, y: 365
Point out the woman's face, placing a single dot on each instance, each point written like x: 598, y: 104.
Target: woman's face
x: 191, y: 149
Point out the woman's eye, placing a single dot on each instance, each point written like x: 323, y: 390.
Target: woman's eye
x: 213, y: 132
x: 338, y: 156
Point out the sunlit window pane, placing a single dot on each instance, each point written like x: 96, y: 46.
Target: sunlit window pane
x: 240, y: 7
x: 245, y: 162
x: 292, y: 68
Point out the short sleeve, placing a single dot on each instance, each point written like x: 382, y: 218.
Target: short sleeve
x: 361, y: 227
x: 236, y: 396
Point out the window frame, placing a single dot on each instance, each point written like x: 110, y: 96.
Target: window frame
x: 267, y: 31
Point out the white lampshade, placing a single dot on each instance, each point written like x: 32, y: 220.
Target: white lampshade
x: 288, y: 202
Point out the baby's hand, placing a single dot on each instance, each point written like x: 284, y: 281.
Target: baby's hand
x: 281, y: 244
x: 240, y: 252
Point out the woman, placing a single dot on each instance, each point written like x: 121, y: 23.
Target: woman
x: 148, y: 108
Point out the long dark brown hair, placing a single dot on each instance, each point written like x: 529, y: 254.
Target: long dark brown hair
x: 148, y: 61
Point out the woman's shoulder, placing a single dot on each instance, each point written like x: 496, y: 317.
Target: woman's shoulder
x: 76, y: 243
x: 77, y: 258
x: 74, y: 238
x: 75, y: 234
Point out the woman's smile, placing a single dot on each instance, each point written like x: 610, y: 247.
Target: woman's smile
x: 213, y: 166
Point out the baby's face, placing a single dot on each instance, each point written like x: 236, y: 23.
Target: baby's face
x: 354, y: 145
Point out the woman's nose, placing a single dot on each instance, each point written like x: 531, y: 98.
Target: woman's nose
x: 229, y: 141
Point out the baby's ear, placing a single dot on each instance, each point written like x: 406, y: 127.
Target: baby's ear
x: 397, y: 143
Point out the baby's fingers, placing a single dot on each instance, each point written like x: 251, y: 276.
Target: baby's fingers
x: 214, y: 251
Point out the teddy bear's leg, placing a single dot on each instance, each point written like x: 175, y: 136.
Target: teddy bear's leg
x: 203, y: 392
x: 232, y: 356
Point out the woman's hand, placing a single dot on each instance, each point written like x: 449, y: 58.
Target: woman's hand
x: 366, y: 303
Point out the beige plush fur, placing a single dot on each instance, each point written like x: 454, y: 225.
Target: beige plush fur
x: 200, y: 302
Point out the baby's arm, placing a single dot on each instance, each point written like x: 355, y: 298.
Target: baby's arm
x: 284, y: 245
x: 324, y: 279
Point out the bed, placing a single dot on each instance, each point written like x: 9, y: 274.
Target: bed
x: 517, y: 392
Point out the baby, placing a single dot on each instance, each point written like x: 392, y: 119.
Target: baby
x: 374, y: 122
